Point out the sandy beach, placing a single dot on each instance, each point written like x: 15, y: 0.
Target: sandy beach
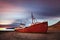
x: 29, y: 36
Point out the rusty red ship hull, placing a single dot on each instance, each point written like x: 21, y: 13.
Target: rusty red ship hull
x: 36, y: 28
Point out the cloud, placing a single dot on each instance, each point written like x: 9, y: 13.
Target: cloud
x: 21, y: 9
x: 6, y: 22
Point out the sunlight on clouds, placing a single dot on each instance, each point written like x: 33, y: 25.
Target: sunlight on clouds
x: 14, y: 15
x: 53, y: 21
x: 2, y: 29
x: 9, y: 11
x: 6, y: 22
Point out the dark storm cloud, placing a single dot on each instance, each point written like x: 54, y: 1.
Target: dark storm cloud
x: 50, y: 8
x: 50, y: 12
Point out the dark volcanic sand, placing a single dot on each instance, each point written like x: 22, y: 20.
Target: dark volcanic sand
x: 29, y: 36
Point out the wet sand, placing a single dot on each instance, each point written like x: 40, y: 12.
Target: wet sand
x: 29, y: 36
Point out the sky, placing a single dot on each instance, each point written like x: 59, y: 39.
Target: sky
x: 17, y: 11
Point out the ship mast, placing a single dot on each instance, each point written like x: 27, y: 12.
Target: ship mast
x: 32, y: 18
